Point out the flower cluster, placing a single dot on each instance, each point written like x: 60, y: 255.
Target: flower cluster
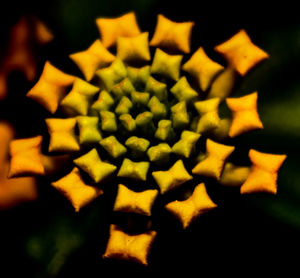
x: 147, y: 117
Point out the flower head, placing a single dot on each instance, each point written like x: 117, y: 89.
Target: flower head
x: 149, y: 125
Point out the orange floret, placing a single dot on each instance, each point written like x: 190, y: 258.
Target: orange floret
x: 216, y: 156
x: 134, y: 48
x: 76, y: 190
x: 62, y: 135
x: 188, y: 210
x: 264, y: 172
x: 202, y: 68
x: 241, y: 53
x: 26, y: 157
x: 112, y: 28
x: 95, y: 57
x: 244, y: 113
x: 172, y: 35
x: 129, y: 247
x: 51, y: 87
x: 136, y: 202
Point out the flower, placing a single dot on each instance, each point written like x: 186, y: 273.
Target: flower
x: 149, y: 127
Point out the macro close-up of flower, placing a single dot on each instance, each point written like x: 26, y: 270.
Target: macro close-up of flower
x: 142, y: 143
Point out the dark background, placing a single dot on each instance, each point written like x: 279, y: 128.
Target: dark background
x: 244, y: 234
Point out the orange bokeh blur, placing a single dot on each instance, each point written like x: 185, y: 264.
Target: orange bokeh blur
x: 17, y: 190
x: 24, y: 37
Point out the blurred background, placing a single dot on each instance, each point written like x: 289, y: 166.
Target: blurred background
x: 41, y: 236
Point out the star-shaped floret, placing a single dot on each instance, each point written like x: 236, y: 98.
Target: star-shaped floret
x: 135, y: 202
x: 140, y: 98
x: 51, y: 87
x: 183, y: 91
x: 137, y: 145
x: 127, y: 122
x: 216, y: 156
x: 62, y: 135
x: 190, y: 209
x: 129, y: 247
x: 133, y: 49
x: 172, y: 35
x: 112, y: 75
x: 180, y: 116
x: 79, y: 99
x: 166, y: 65
x: 104, y: 102
x: 144, y: 122
x: 139, y: 76
x: 95, y: 57
x: 92, y: 164
x: 186, y: 143
x: 264, y: 172
x: 156, y: 88
x: 88, y: 129
x: 157, y: 108
x: 234, y: 175
x: 112, y: 28
x: 172, y: 178
x: 202, y: 68
x: 160, y: 153
x: 26, y: 157
x: 124, y: 106
x: 113, y: 146
x: 144, y: 119
x: 124, y: 88
x: 76, y: 190
x: 241, y: 53
x: 134, y: 170
x: 209, y: 116
x: 164, y: 130
x: 244, y: 113
x: 108, y: 121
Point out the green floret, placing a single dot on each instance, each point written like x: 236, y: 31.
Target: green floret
x: 160, y: 153
x: 183, y: 91
x: 124, y: 88
x: 78, y: 100
x: 92, y: 164
x: 156, y: 88
x: 209, y: 116
x: 137, y: 145
x: 140, y: 98
x: 128, y: 122
x: 157, y: 108
x: 164, y: 131
x: 112, y: 75
x: 88, y: 129
x: 139, y: 76
x: 108, y: 121
x: 113, y: 146
x: 143, y: 119
x: 186, y: 143
x: 104, y: 102
x: 134, y: 170
x: 124, y: 106
x: 145, y: 123
x: 180, y: 115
